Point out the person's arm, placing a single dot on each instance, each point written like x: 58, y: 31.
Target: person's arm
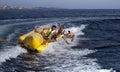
x: 60, y: 26
x: 46, y: 28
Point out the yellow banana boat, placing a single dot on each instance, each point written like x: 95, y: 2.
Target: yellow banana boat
x: 33, y: 41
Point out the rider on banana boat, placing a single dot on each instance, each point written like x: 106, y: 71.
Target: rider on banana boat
x: 70, y: 35
x: 51, y: 31
x: 60, y: 34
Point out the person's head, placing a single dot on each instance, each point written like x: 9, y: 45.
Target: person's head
x: 53, y: 27
x: 68, y: 31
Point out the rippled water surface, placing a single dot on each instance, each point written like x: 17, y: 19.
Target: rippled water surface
x: 94, y: 49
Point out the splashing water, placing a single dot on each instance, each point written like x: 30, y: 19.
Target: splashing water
x: 65, y: 59
x: 11, y: 52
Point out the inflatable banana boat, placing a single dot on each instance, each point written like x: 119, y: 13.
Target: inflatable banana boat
x: 34, y: 41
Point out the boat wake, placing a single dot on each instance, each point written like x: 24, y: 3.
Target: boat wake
x: 11, y: 52
x: 64, y: 58
x: 60, y: 56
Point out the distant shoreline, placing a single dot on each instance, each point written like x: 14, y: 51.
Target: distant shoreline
x: 46, y: 8
x: 22, y: 8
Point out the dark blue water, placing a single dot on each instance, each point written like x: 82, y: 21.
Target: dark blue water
x: 94, y: 49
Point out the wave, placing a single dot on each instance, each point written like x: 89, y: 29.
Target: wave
x: 107, y: 46
x: 11, y: 52
x: 64, y: 58
x: 76, y: 30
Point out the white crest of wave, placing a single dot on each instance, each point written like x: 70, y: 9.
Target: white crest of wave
x: 74, y: 61
x: 66, y: 59
x: 11, y: 52
x: 61, y: 43
x: 77, y: 30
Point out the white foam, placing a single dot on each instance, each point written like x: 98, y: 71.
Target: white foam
x: 66, y: 59
x: 11, y: 52
x: 74, y: 61
x: 77, y: 30
x: 61, y: 43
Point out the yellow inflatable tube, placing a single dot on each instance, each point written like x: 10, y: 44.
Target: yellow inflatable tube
x: 33, y: 41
